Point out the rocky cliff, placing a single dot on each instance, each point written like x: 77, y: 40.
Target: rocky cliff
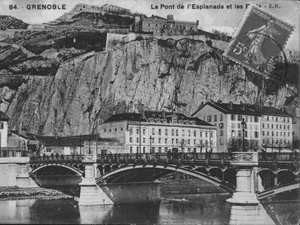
x: 161, y: 74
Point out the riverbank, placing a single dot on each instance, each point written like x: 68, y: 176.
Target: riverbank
x: 15, y: 193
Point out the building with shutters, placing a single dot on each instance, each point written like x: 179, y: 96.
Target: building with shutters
x: 159, y: 132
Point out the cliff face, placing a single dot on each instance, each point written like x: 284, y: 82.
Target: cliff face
x: 159, y: 74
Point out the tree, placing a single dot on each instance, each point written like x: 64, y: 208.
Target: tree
x: 200, y: 145
x: 236, y: 144
x: 182, y: 144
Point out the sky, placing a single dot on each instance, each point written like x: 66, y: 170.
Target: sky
x: 221, y: 19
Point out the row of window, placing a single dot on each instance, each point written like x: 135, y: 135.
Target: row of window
x: 166, y: 132
x: 248, y: 126
x: 277, y: 142
x: 276, y: 134
x: 275, y: 126
x: 167, y: 141
x: 248, y: 134
x: 276, y: 118
x: 133, y: 149
x: 112, y: 129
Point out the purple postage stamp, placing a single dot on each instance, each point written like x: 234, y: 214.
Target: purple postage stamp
x: 258, y: 40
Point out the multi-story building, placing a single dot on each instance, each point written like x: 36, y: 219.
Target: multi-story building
x: 73, y: 145
x: 3, y: 129
x: 114, y: 9
x: 162, y: 26
x: 159, y: 131
x: 265, y: 127
x: 228, y: 117
x: 276, y: 128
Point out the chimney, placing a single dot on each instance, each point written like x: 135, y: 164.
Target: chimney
x: 230, y: 105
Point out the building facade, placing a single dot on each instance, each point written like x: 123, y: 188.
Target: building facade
x: 159, y: 132
x: 228, y: 117
x: 161, y: 26
x: 265, y: 126
x: 277, y: 129
x: 3, y: 129
x: 73, y: 145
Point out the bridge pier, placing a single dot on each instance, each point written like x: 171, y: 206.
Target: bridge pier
x: 90, y: 192
x: 246, y: 182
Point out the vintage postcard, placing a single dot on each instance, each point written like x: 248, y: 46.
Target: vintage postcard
x: 149, y: 112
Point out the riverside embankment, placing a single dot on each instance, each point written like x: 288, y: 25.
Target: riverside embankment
x: 15, y: 193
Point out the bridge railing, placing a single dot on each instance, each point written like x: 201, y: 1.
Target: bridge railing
x: 285, y: 157
x: 57, y: 159
x: 164, y: 156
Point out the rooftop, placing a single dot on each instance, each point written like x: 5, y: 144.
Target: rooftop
x: 157, y: 117
x: 3, y: 116
x: 245, y: 109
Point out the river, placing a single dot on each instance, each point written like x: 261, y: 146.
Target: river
x: 175, y: 209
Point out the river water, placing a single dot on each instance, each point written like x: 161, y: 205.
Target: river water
x: 176, y: 209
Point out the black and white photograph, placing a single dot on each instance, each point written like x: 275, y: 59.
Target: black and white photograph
x: 162, y: 112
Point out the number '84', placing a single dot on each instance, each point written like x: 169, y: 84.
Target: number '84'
x: 239, y: 48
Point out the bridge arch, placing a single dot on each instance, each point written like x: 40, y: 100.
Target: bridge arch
x: 147, y: 173
x: 78, y: 172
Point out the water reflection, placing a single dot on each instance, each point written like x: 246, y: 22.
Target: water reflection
x: 180, y: 209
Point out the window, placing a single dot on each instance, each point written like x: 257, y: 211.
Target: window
x: 121, y: 128
x: 240, y: 133
x: 189, y: 141
x: 233, y: 117
x: 137, y: 131
x: 144, y: 131
x: 276, y: 126
x: 216, y: 118
x: 263, y: 125
x: 195, y: 133
x: 153, y: 150
x: 153, y: 131
x: 267, y: 118
x: 166, y: 140
x: 221, y: 125
x: 182, y: 132
x: 137, y: 149
x: 166, y: 132
x: 263, y: 133
x: 130, y: 139
x: 209, y: 119
x: 130, y: 131
x: 194, y: 142
x: 221, y: 141
x: 176, y: 132
x: 189, y: 133
x: 176, y: 141
x: 137, y: 140
x: 116, y: 129
x: 144, y: 149
x: 172, y: 132
x: 159, y: 131
x: 240, y: 117
x: 159, y: 149
x: 130, y: 149
x: 159, y: 140
x: 221, y: 133
x: 172, y: 140
x: 256, y: 119
x: 256, y: 134
x: 221, y: 117
x: 144, y: 140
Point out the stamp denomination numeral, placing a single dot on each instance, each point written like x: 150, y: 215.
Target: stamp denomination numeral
x: 239, y: 48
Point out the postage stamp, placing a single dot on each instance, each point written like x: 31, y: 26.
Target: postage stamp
x: 258, y: 40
